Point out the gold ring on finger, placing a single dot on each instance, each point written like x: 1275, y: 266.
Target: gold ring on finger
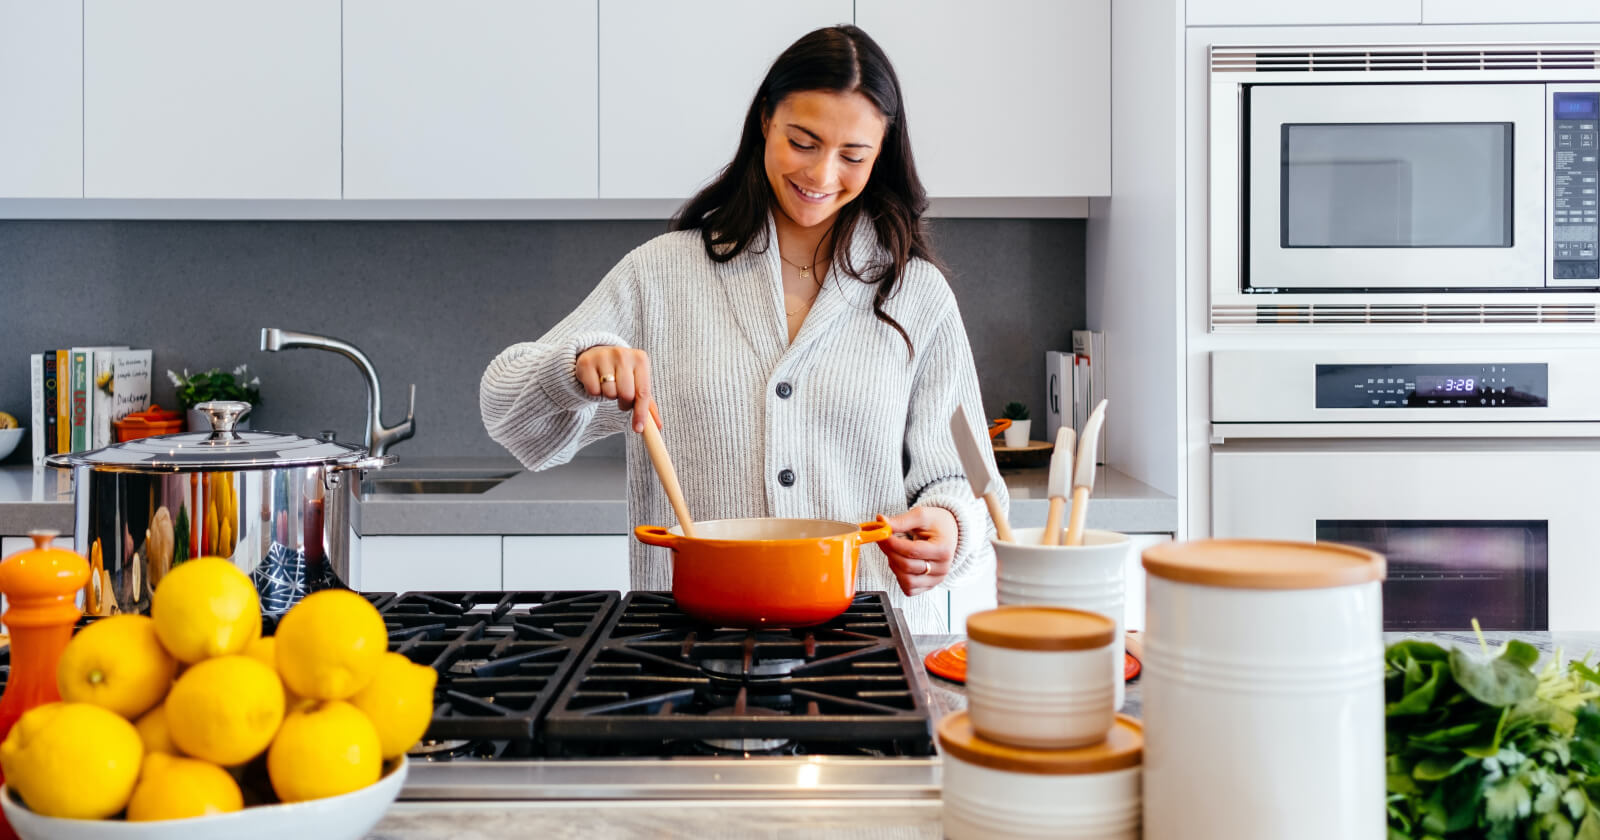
x: 610, y: 377
x: 926, y: 567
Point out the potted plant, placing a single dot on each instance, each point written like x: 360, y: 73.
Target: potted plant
x: 1017, y: 433
x: 215, y: 384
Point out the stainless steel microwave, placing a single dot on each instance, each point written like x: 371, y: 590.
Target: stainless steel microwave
x: 1405, y: 184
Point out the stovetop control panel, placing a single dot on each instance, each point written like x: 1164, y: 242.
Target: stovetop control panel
x: 1486, y: 385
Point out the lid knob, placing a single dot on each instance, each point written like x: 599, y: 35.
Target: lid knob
x: 223, y: 414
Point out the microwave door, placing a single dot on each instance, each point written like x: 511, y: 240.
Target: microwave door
x: 1487, y: 522
x: 1395, y: 187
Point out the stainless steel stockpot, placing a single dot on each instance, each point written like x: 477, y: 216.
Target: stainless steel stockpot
x: 278, y: 506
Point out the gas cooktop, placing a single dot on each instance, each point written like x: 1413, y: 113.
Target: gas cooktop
x: 570, y: 695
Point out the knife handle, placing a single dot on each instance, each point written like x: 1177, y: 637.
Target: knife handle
x: 1002, y: 528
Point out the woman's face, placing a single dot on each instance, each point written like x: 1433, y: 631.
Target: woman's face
x: 820, y: 149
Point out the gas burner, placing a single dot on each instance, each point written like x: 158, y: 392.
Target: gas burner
x: 745, y: 746
x: 757, y: 670
x: 442, y: 750
x: 467, y: 667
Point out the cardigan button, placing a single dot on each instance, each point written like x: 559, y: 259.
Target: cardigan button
x: 786, y: 478
x: 784, y: 390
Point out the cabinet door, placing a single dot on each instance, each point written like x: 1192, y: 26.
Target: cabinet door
x: 41, y: 99
x: 491, y: 99
x: 597, y: 561
x: 201, y: 99
x: 429, y: 564
x: 1499, y: 11
x: 675, y: 82
x: 1004, y: 98
x: 1276, y: 12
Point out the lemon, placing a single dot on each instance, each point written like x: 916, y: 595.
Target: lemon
x: 7, y: 421
x: 399, y: 702
x: 326, y: 750
x: 329, y: 644
x: 172, y: 788
x: 117, y: 663
x: 225, y: 710
x: 155, y: 734
x: 204, y: 608
x: 265, y: 651
x: 74, y: 760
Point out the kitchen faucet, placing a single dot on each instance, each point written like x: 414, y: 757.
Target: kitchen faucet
x: 379, y: 437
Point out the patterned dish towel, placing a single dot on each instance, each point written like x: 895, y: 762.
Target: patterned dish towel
x: 281, y: 579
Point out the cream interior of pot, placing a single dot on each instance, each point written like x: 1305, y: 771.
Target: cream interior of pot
x: 767, y: 528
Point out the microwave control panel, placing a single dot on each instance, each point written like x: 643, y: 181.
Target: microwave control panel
x: 1486, y: 385
x: 1575, y: 184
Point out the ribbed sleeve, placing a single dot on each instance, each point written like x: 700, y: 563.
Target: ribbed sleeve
x: 841, y: 424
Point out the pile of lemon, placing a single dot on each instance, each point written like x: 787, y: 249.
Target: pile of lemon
x: 163, y: 716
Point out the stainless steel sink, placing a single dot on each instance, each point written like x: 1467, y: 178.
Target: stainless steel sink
x: 418, y: 485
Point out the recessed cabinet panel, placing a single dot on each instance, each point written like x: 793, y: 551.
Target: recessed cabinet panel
x: 1278, y: 13
x: 206, y: 99
x: 430, y: 564
x: 675, y: 82
x: 1499, y: 11
x: 490, y: 99
x: 1010, y: 98
x: 41, y: 99
x: 571, y: 562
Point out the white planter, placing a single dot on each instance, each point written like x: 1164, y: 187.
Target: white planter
x: 1090, y: 577
x: 1263, y: 677
x: 1017, y: 433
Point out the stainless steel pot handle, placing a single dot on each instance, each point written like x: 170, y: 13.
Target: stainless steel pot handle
x: 335, y: 472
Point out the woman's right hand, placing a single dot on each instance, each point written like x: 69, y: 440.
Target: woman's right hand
x: 618, y: 373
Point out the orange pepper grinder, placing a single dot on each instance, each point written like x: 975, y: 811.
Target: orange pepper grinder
x: 40, y: 585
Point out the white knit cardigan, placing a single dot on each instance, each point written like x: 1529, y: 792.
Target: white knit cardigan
x: 864, y: 429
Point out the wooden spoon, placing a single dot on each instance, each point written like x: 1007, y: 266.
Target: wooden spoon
x: 664, y: 471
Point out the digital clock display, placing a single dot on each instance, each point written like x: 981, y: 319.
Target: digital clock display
x: 1446, y: 386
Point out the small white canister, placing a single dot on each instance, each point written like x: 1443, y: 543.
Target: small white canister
x: 1038, y: 677
x: 998, y: 792
x: 1263, y: 691
x: 1092, y: 576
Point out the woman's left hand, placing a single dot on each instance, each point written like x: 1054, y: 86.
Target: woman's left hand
x: 921, y: 547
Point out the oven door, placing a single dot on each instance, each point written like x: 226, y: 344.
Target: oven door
x: 1501, y: 531
x: 1395, y: 187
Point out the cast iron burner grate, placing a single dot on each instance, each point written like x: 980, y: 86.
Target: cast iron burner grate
x: 500, y: 655
x: 654, y: 676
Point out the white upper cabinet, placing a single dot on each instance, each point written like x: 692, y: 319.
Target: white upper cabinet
x: 1282, y: 13
x: 41, y: 99
x: 1500, y: 11
x: 489, y: 99
x: 675, y: 82
x: 209, y: 99
x: 1007, y: 98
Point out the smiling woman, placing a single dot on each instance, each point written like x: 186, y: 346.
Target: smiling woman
x: 796, y: 332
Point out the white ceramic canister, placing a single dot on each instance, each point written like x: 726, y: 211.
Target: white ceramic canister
x: 997, y: 792
x: 1037, y: 676
x: 1092, y: 576
x: 1263, y: 691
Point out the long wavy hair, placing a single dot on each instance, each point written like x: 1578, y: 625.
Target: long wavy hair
x: 731, y: 213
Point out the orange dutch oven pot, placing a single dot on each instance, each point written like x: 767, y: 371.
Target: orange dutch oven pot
x: 765, y: 572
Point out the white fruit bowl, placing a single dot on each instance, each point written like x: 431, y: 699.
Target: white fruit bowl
x: 9, y: 438
x: 347, y: 817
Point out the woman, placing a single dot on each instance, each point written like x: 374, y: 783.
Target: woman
x: 804, y: 349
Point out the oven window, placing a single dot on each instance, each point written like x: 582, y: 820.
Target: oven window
x: 1444, y: 573
x: 1396, y: 185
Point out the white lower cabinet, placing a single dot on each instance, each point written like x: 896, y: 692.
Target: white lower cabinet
x: 428, y: 564
x: 566, y: 562
x: 980, y: 594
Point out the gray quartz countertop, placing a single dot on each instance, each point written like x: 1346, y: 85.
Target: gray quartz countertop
x: 585, y: 496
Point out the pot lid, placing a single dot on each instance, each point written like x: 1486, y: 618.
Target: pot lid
x: 1264, y: 564
x: 222, y: 448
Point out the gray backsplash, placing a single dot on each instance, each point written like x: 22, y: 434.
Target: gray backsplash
x: 430, y: 303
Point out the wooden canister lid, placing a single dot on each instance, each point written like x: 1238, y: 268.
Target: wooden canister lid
x: 1025, y: 627
x: 1264, y: 564
x: 1122, y: 748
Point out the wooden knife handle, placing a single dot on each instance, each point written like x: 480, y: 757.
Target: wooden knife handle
x: 1002, y: 528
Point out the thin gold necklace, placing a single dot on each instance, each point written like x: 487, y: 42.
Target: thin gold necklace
x: 806, y: 305
x: 805, y: 270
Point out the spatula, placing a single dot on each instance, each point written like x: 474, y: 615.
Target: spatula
x: 1060, y: 484
x: 1083, y: 473
x: 664, y: 471
x: 979, y: 475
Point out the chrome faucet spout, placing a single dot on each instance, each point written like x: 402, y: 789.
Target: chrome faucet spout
x: 379, y: 437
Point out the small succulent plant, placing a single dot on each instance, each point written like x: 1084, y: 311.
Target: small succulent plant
x: 1014, y: 411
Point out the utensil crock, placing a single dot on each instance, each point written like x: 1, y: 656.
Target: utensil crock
x: 765, y: 572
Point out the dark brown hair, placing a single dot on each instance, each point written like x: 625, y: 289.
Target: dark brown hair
x: 731, y: 213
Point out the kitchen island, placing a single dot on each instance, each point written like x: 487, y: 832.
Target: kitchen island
x: 790, y: 819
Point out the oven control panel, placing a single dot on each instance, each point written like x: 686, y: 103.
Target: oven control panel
x: 1574, y: 185
x: 1521, y: 385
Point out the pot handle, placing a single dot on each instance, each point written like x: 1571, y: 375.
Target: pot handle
x: 871, y: 532
x: 656, y: 535
x: 370, y: 462
x: 1000, y: 425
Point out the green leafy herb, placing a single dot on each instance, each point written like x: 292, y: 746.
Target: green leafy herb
x: 216, y: 384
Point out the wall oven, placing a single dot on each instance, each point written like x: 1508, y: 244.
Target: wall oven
x: 1476, y: 473
x: 1441, y: 183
